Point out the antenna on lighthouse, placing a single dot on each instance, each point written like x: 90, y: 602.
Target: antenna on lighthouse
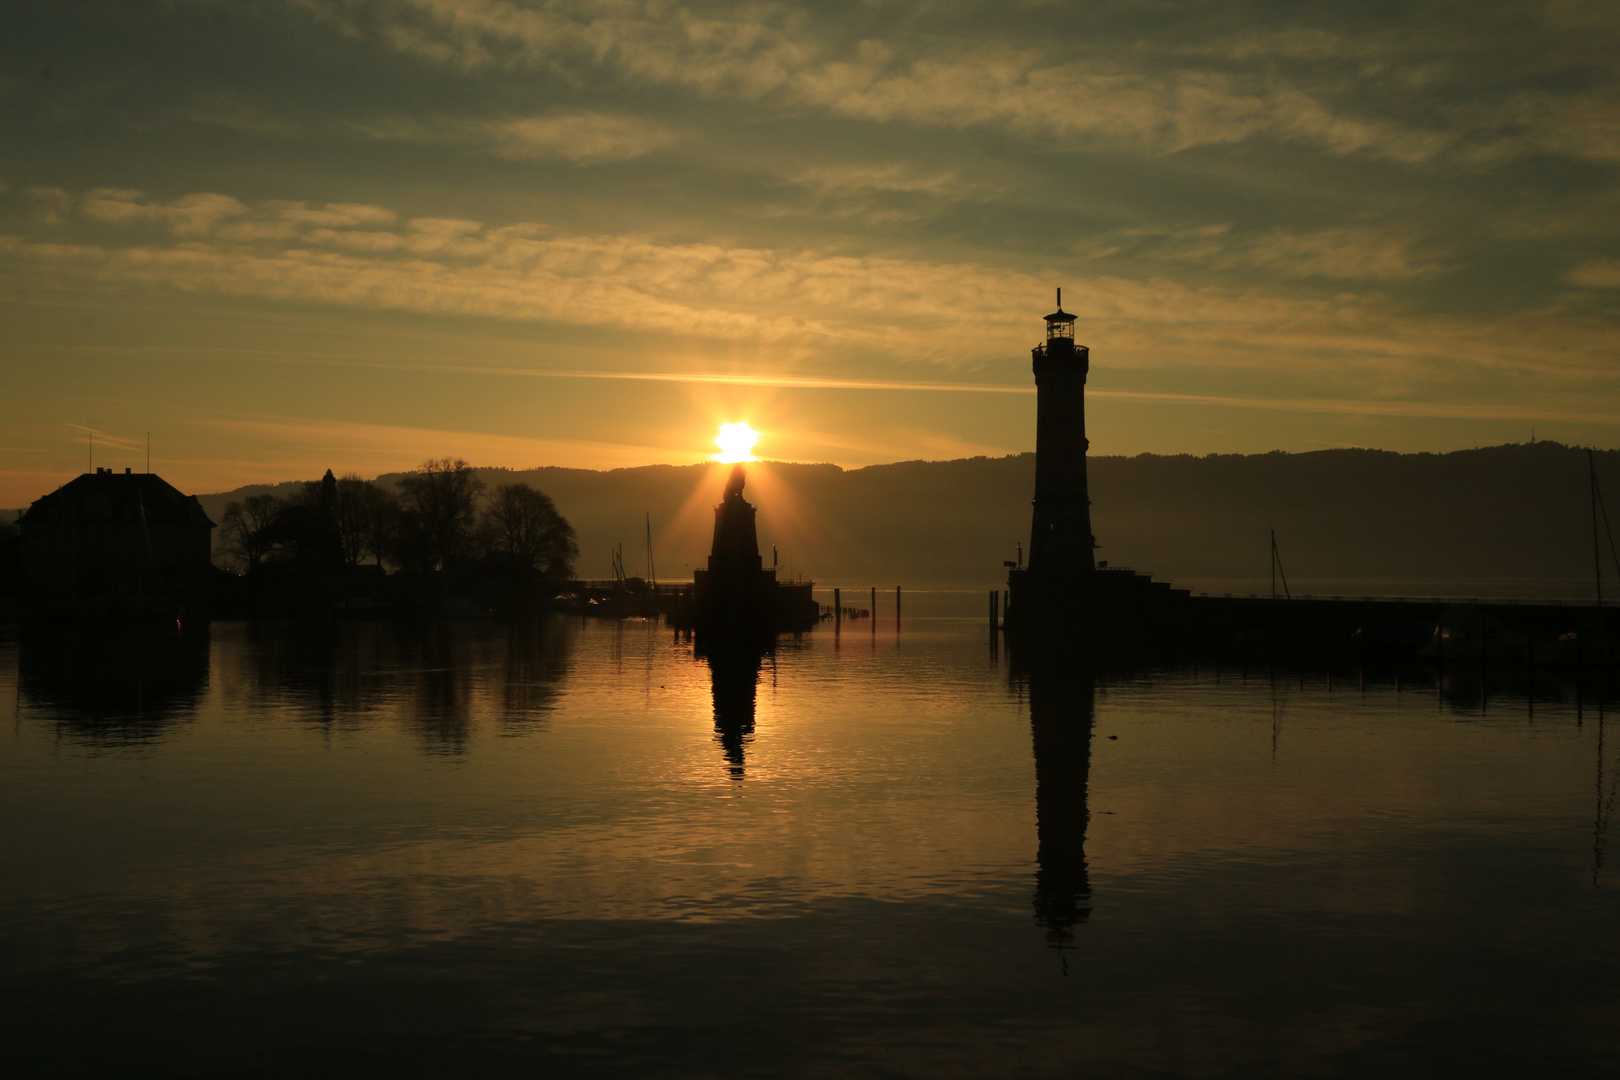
x: 1060, y: 298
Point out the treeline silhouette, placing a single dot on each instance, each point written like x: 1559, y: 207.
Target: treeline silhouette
x: 1514, y: 515
x: 10, y: 556
x: 440, y: 530
x: 435, y: 519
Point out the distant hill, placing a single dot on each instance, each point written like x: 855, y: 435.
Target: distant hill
x: 1502, y: 520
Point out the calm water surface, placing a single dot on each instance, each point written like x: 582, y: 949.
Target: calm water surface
x: 567, y: 849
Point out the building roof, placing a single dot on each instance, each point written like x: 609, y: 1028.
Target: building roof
x: 105, y: 497
x: 1060, y: 316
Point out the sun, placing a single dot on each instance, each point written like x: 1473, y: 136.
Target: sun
x: 736, y: 442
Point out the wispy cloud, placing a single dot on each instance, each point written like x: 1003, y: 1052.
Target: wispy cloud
x: 957, y: 315
x: 1287, y: 86
x: 1596, y: 274
x: 585, y: 138
x: 1561, y: 409
x: 767, y: 379
x: 193, y: 215
x: 1349, y: 254
x: 861, y: 177
x: 50, y: 205
x: 1565, y: 412
x: 233, y: 114
x: 104, y: 437
x: 580, y: 137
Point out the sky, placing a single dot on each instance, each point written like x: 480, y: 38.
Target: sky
x: 282, y: 236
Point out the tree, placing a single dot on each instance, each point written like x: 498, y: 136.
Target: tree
x: 10, y: 558
x: 247, y: 529
x: 439, y: 517
x: 363, y: 516
x: 382, y: 522
x: 308, y: 526
x: 525, y: 527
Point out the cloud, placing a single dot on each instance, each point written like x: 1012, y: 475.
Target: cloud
x: 1322, y: 87
x: 333, y: 215
x: 50, y: 204
x: 864, y: 178
x: 1338, y: 253
x: 191, y: 215
x: 103, y: 438
x: 813, y: 308
x: 233, y: 114
x: 584, y: 138
x: 1341, y: 254
x: 1564, y: 411
x: 1539, y: 123
x: 760, y: 378
x: 875, y: 193
x: 580, y: 137
x: 1596, y: 274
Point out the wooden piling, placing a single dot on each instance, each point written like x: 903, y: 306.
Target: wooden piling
x: 897, y: 607
x: 838, y: 610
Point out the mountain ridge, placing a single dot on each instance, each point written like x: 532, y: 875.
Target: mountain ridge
x: 1515, y: 513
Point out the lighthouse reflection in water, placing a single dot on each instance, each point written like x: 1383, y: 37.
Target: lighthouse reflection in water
x: 1062, y: 700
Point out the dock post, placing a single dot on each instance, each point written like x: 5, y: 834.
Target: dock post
x: 873, y: 613
x: 838, y: 610
x: 995, y: 603
x: 1440, y: 656
x: 897, y: 607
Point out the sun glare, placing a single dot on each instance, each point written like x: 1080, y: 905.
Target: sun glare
x: 736, y: 442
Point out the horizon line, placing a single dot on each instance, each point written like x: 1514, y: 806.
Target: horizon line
x: 975, y: 457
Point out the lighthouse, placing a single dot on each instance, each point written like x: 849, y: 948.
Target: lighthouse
x: 1058, y: 576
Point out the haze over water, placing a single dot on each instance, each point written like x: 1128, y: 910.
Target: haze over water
x: 494, y: 849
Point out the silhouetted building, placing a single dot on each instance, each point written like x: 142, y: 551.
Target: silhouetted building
x: 1062, y: 584
x: 736, y: 598
x: 116, y: 544
x: 1060, y: 540
x: 733, y: 594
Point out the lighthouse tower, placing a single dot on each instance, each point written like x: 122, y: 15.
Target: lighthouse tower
x: 1059, y: 573
x: 1060, y: 540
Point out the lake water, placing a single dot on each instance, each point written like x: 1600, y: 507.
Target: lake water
x: 483, y: 850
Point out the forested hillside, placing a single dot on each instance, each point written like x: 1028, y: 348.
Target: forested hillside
x: 1513, y: 519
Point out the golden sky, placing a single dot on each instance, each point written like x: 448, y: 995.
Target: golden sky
x: 288, y: 235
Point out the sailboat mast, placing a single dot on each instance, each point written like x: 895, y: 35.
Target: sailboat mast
x: 652, y: 573
x: 1597, y: 551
